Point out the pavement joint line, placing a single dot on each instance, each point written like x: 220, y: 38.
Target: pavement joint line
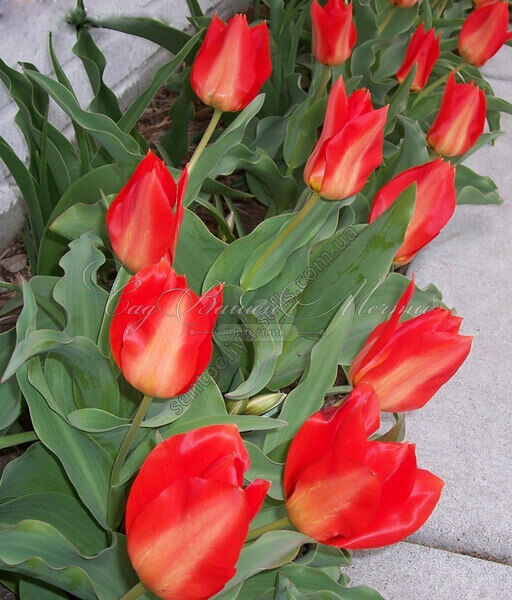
x: 461, y: 553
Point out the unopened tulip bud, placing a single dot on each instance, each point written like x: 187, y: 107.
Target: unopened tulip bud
x: 259, y: 405
x: 334, y: 33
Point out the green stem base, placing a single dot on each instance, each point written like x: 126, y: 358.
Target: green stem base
x: 283, y: 523
x: 135, y: 592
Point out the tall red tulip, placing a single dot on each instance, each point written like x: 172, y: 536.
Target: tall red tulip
x: 348, y: 492
x: 460, y: 120
x: 435, y: 204
x: 350, y: 146
x: 188, y: 515
x: 145, y: 218
x: 423, y: 50
x: 484, y: 33
x: 334, y: 33
x: 161, y: 332
x: 406, y: 363
x: 232, y: 63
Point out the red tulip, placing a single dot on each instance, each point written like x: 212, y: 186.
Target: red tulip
x: 334, y: 33
x: 145, y: 218
x: 161, y: 332
x: 350, y: 146
x: 484, y: 33
x: 403, y: 3
x: 188, y: 515
x: 435, y: 204
x: 348, y: 492
x: 232, y: 63
x: 406, y: 363
x: 423, y: 50
x: 460, y: 120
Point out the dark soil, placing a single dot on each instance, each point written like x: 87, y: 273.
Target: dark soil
x: 13, y: 268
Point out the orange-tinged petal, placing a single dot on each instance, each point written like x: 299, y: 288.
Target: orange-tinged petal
x: 186, y: 542
x: 232, y: 63
x: 145, y: 218
x: 423, y: 50
x: 213, y: 452
x: 484, y: 33
x: 335, y: 496
x: 435, y: 204
x: 460, y: 120
x: 334, y: 33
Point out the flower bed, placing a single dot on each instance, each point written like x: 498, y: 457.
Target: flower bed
x: 203, y: 404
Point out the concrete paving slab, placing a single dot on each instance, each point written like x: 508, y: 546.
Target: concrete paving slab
x: 465, y: 433
x: 131, y: 62
x: 500, y: 65
x: 411, y: 572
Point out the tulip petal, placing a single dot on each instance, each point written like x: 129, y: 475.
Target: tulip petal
x: 213, y: 452
x: 318, y: 434
x: 255, y: 494
x: 335, y: 496
x: 353, y: 154
x: 186, y: 542
x: 400, y: 521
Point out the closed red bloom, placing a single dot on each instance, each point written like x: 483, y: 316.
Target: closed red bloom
x: 423, y: 50
x: 145, y: 218
x: 334, y: 33
x: 403, y: 3
x: 187, y: 514
x: 161, y: 332
x: 435, y: 204
x: 350, y: 146
x: 406, y: 363
x: 484, y: 33
x: 348, y: 492
x: 232, y: 63
x: 460, y: 120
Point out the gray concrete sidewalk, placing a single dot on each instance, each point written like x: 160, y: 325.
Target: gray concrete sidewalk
x: 464, y: 434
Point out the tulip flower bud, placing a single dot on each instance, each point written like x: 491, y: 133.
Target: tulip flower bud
x: 434, y: 207
x: 460, y: 120
x: 188, y: 515
x: 334, y: 33
x: 403, y: 3
x: 259, y: 405
x: 406, y: 363
x: 144, y: 220
x: 232, y: 63
x: 423, y: 50
x: 350, y: 146
x: 161, y: 332
x: 484, y: 33
x: 345, y: 491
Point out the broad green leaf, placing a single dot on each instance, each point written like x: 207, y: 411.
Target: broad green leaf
x: 78, y: 291
x: 91, y: 369
x: 121, y: 146
x: 350, y: 263
x: 150, y: 29
x: 10, y: 399
x: 104, y: 100
x: 206, y: 166
x: 108, y: 179
x: 38, y: 550
x: 138, y: 106
x: 197, y: 250
x: 270, y: 551
x: 473, y: 188
x: 308, y: 396
x: 82, y: 218
x: 264, y: 468
x: 30, y: 590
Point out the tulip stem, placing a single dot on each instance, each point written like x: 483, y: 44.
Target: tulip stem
x: 435, y: 84
x: 283, y: 523
x: 127, y: 442
x: 135, y: 592
x: 205, y: 139
x: 339, y: 389
x: 326, y: 76
x: 292, y: 224
x: 387, y: 18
